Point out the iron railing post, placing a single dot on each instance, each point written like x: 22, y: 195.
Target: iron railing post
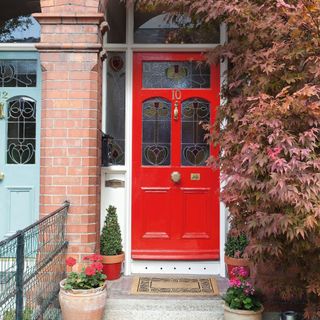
x: 19, y: 275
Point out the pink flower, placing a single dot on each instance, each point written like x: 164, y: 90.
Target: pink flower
x: 97, y: 265
x: 273, y: 153
x: 240, y: 272
x: 71, y: 261
x: 235, y: 282
x: 90, y: 271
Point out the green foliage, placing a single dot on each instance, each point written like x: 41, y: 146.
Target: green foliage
x: 110, y: 239
x: 11, y: 314
x: 236, y: 299
x: 235, y: 246
x: 14, y: 24
x: 80, y: 280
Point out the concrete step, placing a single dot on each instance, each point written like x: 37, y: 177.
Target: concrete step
x: 164, y: 309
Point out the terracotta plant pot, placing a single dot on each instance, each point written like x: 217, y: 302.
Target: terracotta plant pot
x: 236, y: 262
x: 82, y: 304
x: 112, y: 266
x: 234, y: 314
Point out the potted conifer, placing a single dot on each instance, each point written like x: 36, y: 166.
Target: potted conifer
x: 234, y: 250
x: 111, y: 245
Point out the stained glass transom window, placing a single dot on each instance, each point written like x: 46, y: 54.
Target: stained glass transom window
x: 156, y: 137
x: 18, y: 73
x: 194, y: 149
x: 176, y: 74
x: 21, y: 131
x: 155, y: 26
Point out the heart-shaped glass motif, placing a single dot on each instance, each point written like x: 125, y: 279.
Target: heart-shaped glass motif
x: 156, y: 154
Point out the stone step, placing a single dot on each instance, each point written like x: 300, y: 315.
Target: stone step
x: 164, y: 309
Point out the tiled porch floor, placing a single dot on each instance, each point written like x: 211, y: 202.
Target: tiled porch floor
x: 121, y: 288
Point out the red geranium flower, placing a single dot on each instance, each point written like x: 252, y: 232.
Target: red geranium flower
x: 98, y: 266
x: 71, y: 261
x: 90, y: 271
x: 93, y: 257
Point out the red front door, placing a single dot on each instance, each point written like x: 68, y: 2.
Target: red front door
x: 175, y: 195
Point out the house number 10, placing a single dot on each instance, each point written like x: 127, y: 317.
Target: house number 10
x: 176, y: 94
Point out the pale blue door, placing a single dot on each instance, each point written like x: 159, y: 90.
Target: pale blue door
x: 20, y: 114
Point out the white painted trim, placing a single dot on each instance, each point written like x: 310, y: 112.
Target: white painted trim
x: 128, y: 158
x: 115, y: 169
x: 18, y: 47
x: 223, y: 209
x: 104, y: 97
x: 162, y: 47
x: 175, y: 267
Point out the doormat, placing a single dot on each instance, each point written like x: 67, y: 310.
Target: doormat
x: 175, y: 286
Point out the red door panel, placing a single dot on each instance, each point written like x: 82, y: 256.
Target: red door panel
x: 173, y: 93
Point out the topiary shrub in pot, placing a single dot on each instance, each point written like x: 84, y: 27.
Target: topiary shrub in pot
x: 234, y: 250
x: 111, y: 245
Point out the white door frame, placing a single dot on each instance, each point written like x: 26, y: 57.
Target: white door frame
x: 179, y: 267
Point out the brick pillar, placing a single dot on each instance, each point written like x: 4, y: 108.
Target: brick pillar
x: 71, y: 116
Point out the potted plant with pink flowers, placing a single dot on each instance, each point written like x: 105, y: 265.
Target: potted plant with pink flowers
x: 83, y: 294
x: 241, y: 299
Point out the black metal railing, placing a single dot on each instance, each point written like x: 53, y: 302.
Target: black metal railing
x: 31, y: 267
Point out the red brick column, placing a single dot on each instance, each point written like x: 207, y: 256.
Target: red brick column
x: 71, y: 116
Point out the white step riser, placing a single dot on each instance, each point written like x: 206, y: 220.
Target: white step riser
x: 143, y: 309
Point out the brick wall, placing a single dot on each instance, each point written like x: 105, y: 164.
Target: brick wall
x: 71, y: 116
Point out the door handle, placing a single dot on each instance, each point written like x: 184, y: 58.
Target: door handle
x: 1, y: 176
x: 175, y: 176
x: 1, y: 110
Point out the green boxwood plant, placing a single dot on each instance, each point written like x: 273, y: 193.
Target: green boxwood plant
x: 235, y: 246
x: 110, y: 239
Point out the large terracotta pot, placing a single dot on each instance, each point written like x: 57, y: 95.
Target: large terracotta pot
x: 234, y: 314
x: 236, y: 262
x: 82, y: 304
x: 112, y: 266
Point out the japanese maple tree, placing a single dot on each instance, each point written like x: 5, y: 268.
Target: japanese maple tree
x: 269, y: 132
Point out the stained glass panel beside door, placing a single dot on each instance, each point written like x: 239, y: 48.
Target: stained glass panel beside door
x: 115, y: 115
x: 21, y: 131
x: 176, y: 74
x: 156, y: 136
x: 194, y: 149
